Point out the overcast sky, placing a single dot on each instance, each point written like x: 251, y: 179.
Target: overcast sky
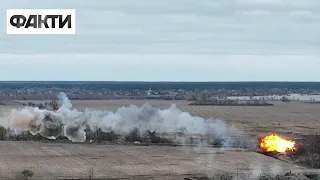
x: 170, y: 40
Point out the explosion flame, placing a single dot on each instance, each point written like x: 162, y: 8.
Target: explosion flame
x: 275, y: 143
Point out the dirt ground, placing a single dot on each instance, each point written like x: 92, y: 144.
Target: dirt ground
x: 62, y: 160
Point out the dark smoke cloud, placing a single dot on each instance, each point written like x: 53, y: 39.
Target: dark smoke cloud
x: 52, y: 125
x: 72, y: 123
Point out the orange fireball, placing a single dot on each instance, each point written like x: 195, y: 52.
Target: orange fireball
x: 275, y: 143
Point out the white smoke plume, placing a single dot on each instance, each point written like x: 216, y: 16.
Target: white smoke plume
x: 72, y: 123
x: 66, y: 103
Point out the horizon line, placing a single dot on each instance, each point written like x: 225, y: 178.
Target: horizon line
x: 163, y: 81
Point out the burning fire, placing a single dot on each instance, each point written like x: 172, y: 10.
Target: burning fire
x: 275, y: 143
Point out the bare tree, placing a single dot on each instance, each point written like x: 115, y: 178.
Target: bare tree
x: 54, y: 104
x: 191, y: 97
x: 204, y: 97
x: 285, y: 99
x: 256, y: 101
x: 25, y: 174
x: 3, y: 133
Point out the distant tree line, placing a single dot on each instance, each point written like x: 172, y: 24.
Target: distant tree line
x: 53, y: 105
x: 161, y: 85
x: 205, y: 100
x: 96, y: 135
x: 230, y: 102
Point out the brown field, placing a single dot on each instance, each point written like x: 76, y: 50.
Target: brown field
x: 70, y: 160
x: 54, y: 160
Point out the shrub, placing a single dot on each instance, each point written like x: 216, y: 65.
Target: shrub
x: 25, y: 174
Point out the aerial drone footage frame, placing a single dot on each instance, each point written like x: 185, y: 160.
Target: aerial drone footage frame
x: 162, y: 89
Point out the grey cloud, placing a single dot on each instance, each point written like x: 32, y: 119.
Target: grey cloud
x: 179, y: 26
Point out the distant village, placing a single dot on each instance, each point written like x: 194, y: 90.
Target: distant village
x: 80, y: 93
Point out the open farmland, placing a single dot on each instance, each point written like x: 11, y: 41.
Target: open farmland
x: 55, y: 160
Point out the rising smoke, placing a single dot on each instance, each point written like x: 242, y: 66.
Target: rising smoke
x: 72, y: 123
